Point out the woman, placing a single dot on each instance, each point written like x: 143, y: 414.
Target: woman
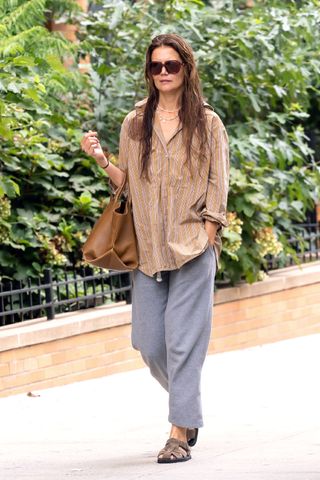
x: 174, y: 148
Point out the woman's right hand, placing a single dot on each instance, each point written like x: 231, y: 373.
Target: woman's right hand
x: 91, y: 145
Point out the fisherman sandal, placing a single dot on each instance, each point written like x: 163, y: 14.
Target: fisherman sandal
x: 192, y: 436
x: 174, y: 451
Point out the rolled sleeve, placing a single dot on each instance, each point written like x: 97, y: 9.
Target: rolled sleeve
x: 215, y: 208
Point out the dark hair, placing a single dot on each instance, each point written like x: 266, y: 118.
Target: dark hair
x: 192, y: 111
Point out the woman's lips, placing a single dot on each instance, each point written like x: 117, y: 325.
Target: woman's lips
x: 165, y: 81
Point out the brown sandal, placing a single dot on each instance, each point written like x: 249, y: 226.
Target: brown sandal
x: 174, y: 451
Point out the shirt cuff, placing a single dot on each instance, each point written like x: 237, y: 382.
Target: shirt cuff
x: 214, y: 217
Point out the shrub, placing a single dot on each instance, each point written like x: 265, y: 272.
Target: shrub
x: 49, y: 190
x: 260, y: 70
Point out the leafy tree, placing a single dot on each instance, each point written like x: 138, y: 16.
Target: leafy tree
x: 48, y: 189
x: 260, y: 70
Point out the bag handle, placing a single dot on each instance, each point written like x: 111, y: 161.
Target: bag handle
x: 120, y: 189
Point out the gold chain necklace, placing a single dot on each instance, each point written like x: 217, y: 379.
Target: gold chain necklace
x: 167, y: 111
x: 166, y: 119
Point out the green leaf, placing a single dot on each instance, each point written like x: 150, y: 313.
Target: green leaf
x: 280, y: 91
x: 8, y: 187
x: 248, y: 210
x: 24, y: 61
x: 33, y: 94
x: 14, y: 87
x: 56, y: 64
x: 85, y: 198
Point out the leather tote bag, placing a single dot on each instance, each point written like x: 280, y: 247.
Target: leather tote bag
x: 112, y: 242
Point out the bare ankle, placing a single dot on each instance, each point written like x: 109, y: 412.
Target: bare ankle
x: 180, y: 433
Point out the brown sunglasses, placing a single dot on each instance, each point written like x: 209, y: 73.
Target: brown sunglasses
x: 171, y: 66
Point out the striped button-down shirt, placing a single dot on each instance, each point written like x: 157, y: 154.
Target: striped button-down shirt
x: 169, y: 210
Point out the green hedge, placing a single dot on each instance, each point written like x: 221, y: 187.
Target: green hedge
x: 45, y: 181
x: 260, y: 70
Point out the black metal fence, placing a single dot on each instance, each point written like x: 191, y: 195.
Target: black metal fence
x: 47, y: 295
x: 305, y: 246
x: 89, y: 288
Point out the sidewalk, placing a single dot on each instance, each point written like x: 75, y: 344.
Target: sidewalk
x: 262, y: 422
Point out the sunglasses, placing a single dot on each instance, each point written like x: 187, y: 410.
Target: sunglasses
x: 171, y: 66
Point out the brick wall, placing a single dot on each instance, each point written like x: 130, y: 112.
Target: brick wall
x: 71, y: 359
x: 88, y: 344
x: 266, y: 318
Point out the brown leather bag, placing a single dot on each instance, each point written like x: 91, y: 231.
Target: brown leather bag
x: 112, y: 242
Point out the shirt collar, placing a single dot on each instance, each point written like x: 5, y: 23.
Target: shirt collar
x: 140, y: 107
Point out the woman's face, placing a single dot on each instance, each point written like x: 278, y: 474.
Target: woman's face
x: 167, y: 82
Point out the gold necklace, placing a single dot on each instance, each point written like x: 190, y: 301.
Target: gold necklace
x: 168, y: 111
x: 166, y: 119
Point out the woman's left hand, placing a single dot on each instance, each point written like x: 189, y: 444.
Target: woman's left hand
x: 211, y: 229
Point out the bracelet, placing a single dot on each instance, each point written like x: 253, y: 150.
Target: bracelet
x: 106, y: 153
x: 106, y: 166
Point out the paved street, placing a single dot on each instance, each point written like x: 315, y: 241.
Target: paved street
x: 262, y: 422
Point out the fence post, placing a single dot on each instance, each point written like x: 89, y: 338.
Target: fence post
x: 49, y: 293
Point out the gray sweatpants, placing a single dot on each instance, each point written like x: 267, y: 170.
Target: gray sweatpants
x: 171, y: 326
